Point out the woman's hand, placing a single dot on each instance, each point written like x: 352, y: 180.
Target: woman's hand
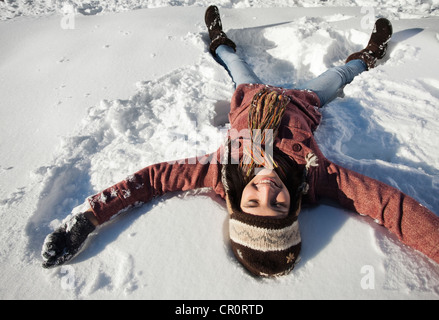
x: 66, y: 241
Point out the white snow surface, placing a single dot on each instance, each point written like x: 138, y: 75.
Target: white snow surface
x: 132, y: 83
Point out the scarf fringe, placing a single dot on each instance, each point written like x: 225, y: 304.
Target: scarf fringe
x: 266, y: 111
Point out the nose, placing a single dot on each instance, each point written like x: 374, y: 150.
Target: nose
x: 267, y: 195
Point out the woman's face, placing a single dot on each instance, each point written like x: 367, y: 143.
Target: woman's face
x: 266, y: 195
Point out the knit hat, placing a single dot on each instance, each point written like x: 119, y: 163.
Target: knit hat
x: 265, y: 246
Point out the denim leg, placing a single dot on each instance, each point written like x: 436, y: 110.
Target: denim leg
x: 327, y: 85
x: 238, y: 69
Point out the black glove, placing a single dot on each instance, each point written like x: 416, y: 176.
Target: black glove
x: 66, y: 241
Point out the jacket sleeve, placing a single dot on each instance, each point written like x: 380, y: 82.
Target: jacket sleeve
x: 411, y: 222
x: 157, y: 180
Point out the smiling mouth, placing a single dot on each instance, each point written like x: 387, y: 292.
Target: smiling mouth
x: 269, y: 182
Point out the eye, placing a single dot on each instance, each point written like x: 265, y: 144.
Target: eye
x: 280, y: 205
x: 252, y: 204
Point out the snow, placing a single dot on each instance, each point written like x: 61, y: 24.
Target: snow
x: 132, y: 84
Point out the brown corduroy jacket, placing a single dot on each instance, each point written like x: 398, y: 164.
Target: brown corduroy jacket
x: 411, y: 222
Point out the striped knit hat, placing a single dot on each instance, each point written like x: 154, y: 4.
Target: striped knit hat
x: 265, y: 246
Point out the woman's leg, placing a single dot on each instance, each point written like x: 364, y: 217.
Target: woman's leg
x: 328, y: 84
x: 238, y: 69
x: 223, y: 49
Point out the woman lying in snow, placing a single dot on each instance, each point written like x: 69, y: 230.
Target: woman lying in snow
x: 268, y: 166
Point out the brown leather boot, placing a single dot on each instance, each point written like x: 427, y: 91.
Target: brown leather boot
x: 216, y: 34
x: 377, y: 47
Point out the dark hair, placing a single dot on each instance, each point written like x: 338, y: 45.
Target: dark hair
x: 235, y: 180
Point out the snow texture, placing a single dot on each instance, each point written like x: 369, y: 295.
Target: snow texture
x: 123, y: 84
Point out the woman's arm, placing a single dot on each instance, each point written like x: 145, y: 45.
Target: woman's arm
x: 67, y: 240
x: 157, y: 180
x: 411, y: 222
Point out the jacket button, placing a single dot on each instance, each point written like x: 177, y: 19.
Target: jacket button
x: 297, y: 147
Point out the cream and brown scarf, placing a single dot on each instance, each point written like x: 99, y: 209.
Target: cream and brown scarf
x: 265, y: 114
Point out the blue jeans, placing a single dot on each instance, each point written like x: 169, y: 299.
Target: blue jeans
x: 326, y: 86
